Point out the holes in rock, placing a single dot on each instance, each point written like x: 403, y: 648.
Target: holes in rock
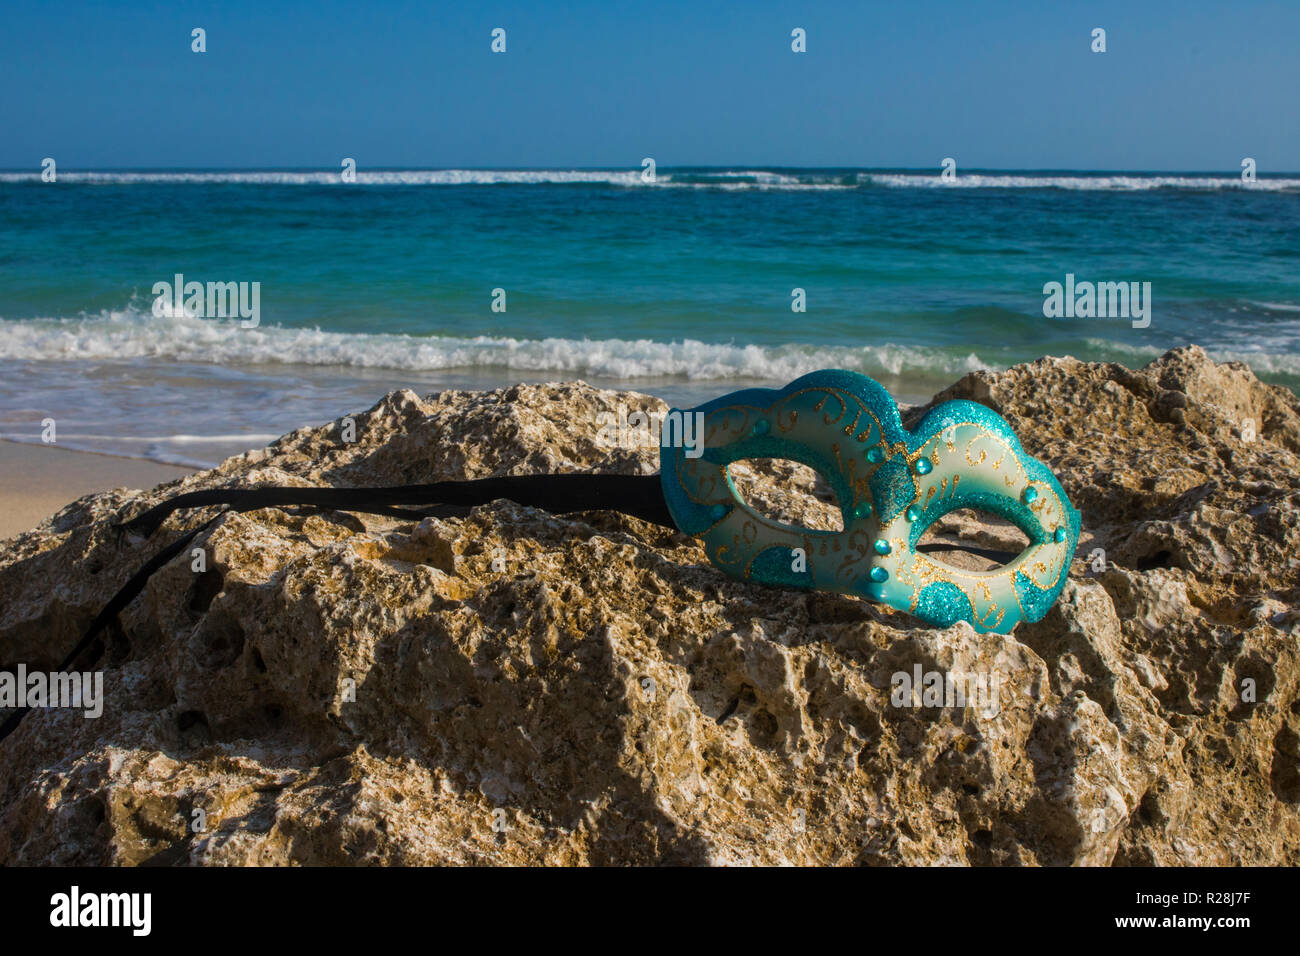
x: 730, y: 709
x: 1285, y: 774
x: 783, y: 490
x: 763, y: 728
x: 258, y: 664
x: 970, y: 788
x: 191, y: 718
x: 745, y: 697
x: 971, y: 528
x: 1161, y: 559
x: 982, y: 839
x: 866, y: 753
x: 92, y: 811
x: 219, y: 642
x: 1255, y: 674
x: 206, y: 587
x: 1148, y: 811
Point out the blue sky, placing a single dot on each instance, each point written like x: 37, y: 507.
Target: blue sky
x: 1183, y: 85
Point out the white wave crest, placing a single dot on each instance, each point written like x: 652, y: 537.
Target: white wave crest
x: 132, y: 334
x: 722, y: 179
x: 1274, y: 306
x: 394, y: 177
x: 1100, y: 183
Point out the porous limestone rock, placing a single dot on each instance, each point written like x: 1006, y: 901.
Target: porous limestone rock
x: 517, y: 687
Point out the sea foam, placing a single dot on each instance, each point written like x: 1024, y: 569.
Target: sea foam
x: 722, y: 179
x: 137, y: 334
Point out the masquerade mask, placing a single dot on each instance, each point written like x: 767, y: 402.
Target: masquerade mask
x: 891, y: 484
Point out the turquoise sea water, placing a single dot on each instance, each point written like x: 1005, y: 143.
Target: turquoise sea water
x: 681, y: 287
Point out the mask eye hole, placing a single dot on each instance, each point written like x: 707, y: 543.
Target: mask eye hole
x: 787, y: 491
x: 957, y: 538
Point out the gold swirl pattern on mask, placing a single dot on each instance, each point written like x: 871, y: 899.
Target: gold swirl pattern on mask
x: 727, y: 425
x: 748, y: 533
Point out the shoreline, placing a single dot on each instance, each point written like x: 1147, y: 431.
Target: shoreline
x: 37, y: 481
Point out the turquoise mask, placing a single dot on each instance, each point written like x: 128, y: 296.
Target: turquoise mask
x: 891, y: 485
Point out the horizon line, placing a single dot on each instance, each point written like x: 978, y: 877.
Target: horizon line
x: 637, y: 168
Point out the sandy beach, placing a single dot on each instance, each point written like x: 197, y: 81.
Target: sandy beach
x: 38, y: 480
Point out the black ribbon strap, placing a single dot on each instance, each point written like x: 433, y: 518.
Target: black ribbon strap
x: 637, y: 495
